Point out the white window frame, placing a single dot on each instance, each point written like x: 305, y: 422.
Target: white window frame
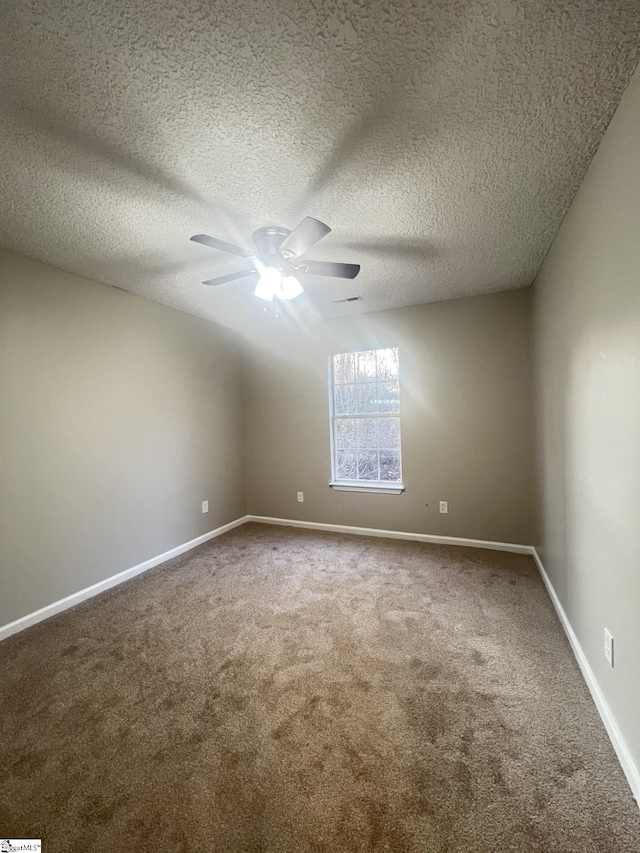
x: 393, y: 487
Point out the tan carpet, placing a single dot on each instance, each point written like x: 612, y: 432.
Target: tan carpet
x: 282, y: 690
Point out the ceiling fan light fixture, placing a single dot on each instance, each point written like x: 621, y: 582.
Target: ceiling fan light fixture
x: 273, y: 283
x: 268, y: 283
x: 263, y: 290
x: 291, y: 287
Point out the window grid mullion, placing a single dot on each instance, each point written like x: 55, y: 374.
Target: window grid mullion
x: 358, y: 415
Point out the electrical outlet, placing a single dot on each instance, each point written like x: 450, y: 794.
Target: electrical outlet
x: 608, y: 646
x: 444, y: 506
x: 205, y: 506
x: 300, y: 497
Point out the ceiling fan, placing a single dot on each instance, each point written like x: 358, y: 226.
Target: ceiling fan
x: 276, y: 259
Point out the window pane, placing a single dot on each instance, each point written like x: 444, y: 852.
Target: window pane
x: 389, y: 465
x: 345, y: 399
x: 387, y: 360
x: 367, y: 398
x: 347, y: 468
x: 344, y: 367
x: 345, y: 435
x: 367, y: 434
x: 367, y: 465
x: 389, y: 433
x: 366, y: 366
x: 388, y: 397
x: 366, y: 387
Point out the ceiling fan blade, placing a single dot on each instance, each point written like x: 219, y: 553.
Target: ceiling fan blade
x: 232, y: 276
x: 214, y: 243
x: 303, y: 237
x: 328, y: 268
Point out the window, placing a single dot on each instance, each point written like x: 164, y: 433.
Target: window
x: 365, y: 420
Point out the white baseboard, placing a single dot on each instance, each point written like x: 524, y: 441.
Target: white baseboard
x: 114, y: 580
x: 622, y: 751
x: 394, y: 534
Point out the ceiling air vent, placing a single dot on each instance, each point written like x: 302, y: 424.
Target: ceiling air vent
x: 349, y: 299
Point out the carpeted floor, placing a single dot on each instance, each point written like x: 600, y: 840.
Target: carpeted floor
x: 288, y: 691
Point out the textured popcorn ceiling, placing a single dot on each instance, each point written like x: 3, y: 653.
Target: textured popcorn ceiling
x: 442, y: 140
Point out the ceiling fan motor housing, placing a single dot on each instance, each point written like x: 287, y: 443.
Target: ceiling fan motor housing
x: 268, y: 241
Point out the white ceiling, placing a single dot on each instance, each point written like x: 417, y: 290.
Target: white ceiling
x: 442, y: 141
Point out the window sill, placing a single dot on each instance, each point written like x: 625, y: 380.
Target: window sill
x: 374, y: 488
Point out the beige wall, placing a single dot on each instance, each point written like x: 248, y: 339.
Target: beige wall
x: 587, y: 400
x: 118, y: 416
x: 466, y: 420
